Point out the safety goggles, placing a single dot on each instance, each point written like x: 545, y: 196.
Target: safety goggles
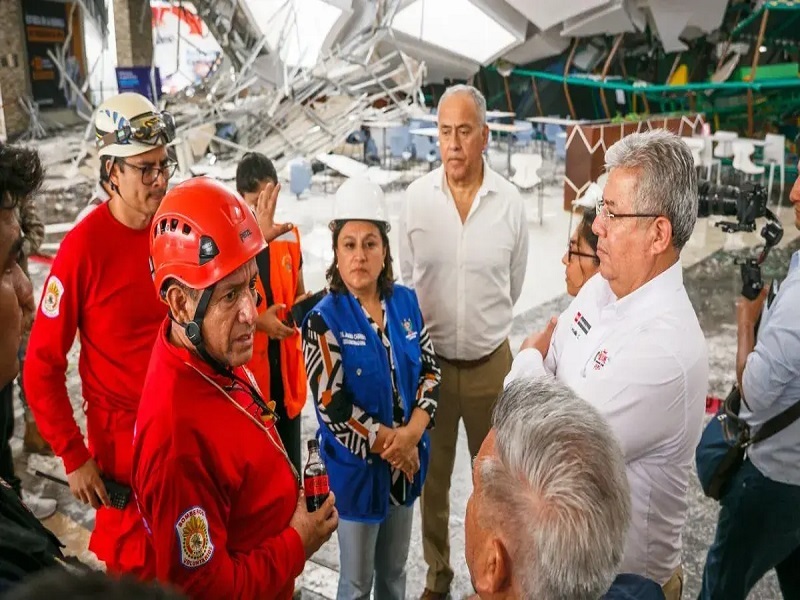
x: 152, y: 129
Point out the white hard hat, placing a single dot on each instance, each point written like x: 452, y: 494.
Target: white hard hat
x: 359, y: 199
x: 129, y: 124
x: 590, y: 198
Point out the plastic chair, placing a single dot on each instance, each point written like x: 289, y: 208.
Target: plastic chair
x: 741, y: 159
x: 526, y: 176
x: 775, y: 155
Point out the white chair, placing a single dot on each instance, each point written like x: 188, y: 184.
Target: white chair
x: 742, y: 151
x: 707, y: 160
x: 525, y: 176
x: 775, y: 155
x: 696, y: 146
x: 724, y: 147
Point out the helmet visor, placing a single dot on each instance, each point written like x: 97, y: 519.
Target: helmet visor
x: 152, y: 129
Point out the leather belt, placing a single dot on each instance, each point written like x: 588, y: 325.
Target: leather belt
x: 469, y: 364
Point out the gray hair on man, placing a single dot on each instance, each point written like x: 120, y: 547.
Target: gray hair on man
x: 556, y: 491
x: 668, y: 179
x: 472, y: 92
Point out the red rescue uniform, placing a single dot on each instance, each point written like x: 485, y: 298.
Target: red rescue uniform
x: 212, y: 483
x: 100, y: 286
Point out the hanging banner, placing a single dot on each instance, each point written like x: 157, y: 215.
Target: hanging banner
x: 45, y: 29
x: 137, y: 79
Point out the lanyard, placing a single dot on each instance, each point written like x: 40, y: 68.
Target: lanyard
x: 259, y: 424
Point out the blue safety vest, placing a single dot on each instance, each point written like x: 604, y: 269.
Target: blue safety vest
x: 362, y: 485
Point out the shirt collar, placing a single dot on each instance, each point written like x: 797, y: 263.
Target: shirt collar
x: 662, y: 285
x: 795, y: 262
x: 488, y: 185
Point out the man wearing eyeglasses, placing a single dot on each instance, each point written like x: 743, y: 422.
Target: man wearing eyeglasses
x: 100, y: 286
x: 631, y: 345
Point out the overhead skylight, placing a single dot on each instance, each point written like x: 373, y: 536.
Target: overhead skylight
x: 455, y: 25
x: 295, y: 29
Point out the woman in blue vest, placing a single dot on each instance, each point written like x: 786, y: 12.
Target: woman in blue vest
x: 375, y: 381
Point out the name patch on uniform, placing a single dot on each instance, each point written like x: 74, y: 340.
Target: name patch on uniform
x: 580, y: 326
x: 410, y: 333
x: 600, y: 359
x: 53, y: 291
x: 353, y: 339
x: 194, y: 538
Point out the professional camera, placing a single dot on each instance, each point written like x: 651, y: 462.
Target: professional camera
x: 746, y: 203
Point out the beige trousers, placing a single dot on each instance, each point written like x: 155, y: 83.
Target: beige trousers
x: 468, y: 393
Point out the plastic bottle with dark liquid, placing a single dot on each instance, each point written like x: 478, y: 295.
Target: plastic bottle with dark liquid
x: 315, y: 478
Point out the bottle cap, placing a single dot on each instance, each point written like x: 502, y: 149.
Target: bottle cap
x: 313, y: 444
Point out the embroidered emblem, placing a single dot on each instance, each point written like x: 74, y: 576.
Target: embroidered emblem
x: 410, y: 333
x: 600, y: 359
x: 51, y: 303
x: 286, y: 262
x: 194, y: 538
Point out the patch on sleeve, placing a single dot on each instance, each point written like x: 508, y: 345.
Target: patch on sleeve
x: 194, y: 538
x: 53, y: 291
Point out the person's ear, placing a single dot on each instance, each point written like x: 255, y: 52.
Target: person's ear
x: 181, y: 305
x: 494, y: 574
x: 112, y: 168
x: 662, y: 235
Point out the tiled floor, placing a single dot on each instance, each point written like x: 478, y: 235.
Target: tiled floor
x: 712, y: 281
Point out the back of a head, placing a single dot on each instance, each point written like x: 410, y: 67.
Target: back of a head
x: 21, y: 174
x: 254, y: 168
x: 667, y: 183
x: 94, y: 585
x: 557, y: 491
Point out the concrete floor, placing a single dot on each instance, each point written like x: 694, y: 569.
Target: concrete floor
x: 711, y: 279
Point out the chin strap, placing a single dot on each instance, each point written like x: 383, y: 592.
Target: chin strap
x: 194, y: 332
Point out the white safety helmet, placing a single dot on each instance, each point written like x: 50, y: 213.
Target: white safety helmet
x: 128, y: 124
x: 359, y: 199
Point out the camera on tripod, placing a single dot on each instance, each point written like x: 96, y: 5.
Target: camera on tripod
x: 747, y: 203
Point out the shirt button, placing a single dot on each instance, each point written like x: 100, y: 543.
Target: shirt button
x: 358, y: 372
x: 369, y: 461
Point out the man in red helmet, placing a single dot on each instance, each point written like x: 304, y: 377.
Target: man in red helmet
x: 213, y: 482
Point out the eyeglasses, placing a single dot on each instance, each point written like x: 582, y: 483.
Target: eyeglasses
x: 151, y: 172
x: 571, y: 253
x: 153, y: 129
x: 607, y: 216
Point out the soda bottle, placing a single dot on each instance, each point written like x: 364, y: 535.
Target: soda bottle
x: 315, y: 478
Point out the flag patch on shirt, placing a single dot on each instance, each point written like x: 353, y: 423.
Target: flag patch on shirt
x: 600, y: 359
x: 51, y: 303
x: 580, y: 323
x: 194, y: 538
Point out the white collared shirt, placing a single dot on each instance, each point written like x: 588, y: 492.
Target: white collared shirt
x: 467, y: 276
x: 643, y: 362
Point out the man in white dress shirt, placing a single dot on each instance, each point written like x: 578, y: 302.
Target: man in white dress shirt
x: 631, y: 345
x: 464, y: 249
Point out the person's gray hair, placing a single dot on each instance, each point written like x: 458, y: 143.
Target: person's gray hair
x: 555, y: 491
x: 473, y: 92
x: 667, y: 183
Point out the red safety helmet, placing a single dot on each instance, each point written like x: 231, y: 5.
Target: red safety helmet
x: 201, y: 233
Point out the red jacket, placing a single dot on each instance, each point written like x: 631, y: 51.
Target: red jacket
x: 100, y: 286
x: 213, y: 486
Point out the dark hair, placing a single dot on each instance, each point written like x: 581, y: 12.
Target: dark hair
x: 93, y: 585
x: 386, y: 276
x: 586, y: 232
x: 252, y: 170
x: 21, y: 174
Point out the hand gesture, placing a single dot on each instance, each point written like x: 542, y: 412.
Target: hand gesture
x: 265, y: 213
x: 86, y: 485
x: 317, y: 527
x: 269, y: 322
x: 541, y: 340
